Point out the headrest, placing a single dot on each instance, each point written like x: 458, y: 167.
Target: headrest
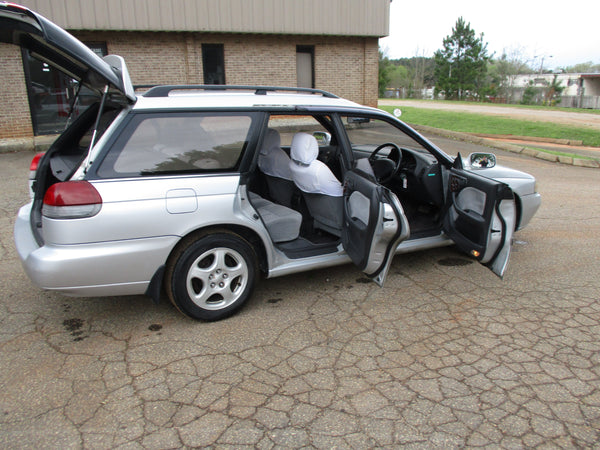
x: 304, y: 148
x: 272, y: 142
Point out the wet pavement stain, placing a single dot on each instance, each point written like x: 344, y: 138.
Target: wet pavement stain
x: 74, y: 327
x: 274, y: 300
x: 454, y: 262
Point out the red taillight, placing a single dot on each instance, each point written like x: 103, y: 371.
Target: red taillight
x: 71, y: 200
x: 35, y: 162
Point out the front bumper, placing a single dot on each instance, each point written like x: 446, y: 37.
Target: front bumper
x: 529, y: 205
x: 92, y: 269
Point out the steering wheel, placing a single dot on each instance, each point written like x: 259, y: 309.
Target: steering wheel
x: 387, y: 168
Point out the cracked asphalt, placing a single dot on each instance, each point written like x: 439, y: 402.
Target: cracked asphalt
x: 446, y: 355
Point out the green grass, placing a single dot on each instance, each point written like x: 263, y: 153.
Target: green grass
x: 484, y: 124
x: 507, y: 105
x: 552, y: 152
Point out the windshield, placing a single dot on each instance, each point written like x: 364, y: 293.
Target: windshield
x: 367, y: 133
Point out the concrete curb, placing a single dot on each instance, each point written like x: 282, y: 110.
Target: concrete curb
x: 34, y: 144
x: 513, y: 148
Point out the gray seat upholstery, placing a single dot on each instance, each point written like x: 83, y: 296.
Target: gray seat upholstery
x: 274, y: 163
x: 321, y: 190
x: 282, y: 223
x: 326, y: 211
x: 281, y: 191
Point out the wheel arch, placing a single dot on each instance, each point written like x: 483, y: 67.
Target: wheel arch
x: 246, y: 233
x: 158, y: 280
x: 240, y: 240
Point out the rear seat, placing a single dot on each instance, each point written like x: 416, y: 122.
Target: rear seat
x: 282, y: 223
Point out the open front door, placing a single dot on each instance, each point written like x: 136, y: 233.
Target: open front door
x: 374, y: 225
x: 480, y: 218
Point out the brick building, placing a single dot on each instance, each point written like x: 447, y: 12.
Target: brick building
x: 329, y: 45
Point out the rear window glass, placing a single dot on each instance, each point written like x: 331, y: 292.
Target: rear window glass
x: 155, y: 144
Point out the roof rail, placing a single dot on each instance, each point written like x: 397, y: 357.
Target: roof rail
x: 137, y: 87
x: 164, y: 91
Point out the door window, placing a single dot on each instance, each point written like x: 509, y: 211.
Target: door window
x: 184, y: 142
x: 288, y: 126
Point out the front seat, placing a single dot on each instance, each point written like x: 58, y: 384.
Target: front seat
x: 321, y: 190
x: 274, y: 163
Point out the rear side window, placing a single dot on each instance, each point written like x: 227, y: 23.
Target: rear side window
x: 154, y: 144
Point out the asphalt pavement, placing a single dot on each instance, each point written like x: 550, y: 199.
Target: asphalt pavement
x: 446, y: 355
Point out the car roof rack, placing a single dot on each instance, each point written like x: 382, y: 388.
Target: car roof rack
x: 164, y: 91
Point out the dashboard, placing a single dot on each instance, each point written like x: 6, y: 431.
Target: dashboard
x: 419, y: 177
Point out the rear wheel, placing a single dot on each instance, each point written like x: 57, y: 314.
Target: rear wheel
x: 212, y: 277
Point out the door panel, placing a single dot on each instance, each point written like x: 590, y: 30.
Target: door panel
x: 374, y: 225
x: 480, y: 218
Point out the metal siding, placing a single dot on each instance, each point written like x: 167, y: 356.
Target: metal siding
x: 308, y: 17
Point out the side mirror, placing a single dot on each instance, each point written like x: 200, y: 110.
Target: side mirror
x: 482, y: 160
x: 322, y: 137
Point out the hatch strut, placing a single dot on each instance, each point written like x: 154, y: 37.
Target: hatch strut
x: 96, y: 125
x: 72, y: 104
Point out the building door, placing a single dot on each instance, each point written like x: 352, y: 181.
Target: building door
x: 213, y: 63
x: 305, y: 66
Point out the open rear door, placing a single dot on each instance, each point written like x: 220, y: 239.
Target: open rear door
x: 374, y: 225
x: 480, y: 218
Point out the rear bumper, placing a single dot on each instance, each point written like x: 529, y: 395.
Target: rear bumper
x: 94, y: 269
x: 529, y: 206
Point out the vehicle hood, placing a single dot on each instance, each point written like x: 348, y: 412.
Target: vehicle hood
x: 53, y: 45
x: 499, y: 171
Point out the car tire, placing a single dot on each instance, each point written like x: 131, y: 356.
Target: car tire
x: 211, y: 277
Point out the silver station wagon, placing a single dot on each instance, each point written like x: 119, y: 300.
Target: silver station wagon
x: 198, y: 190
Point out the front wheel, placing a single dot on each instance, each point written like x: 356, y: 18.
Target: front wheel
x: 212, y: 277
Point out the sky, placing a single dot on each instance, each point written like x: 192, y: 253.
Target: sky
x: 561, y: 33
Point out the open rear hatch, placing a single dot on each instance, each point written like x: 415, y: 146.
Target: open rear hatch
x: 107, y: 77
x: 51, y: 44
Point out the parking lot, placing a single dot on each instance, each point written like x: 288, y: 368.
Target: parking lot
x: 445, y: 355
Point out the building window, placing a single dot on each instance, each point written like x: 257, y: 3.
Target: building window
x: 305, y: 66
x: 51, y: 94
x: 99, y: 48
x: 213, y: 62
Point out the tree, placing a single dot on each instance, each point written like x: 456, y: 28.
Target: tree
x: 460, y: 67
x: 586, y: 67
x: 398, y: 76
x: 530, y: 95
x: 554, y: 92
x: 420, y: 74
x: 507, y: 67
x: 385, y: 67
